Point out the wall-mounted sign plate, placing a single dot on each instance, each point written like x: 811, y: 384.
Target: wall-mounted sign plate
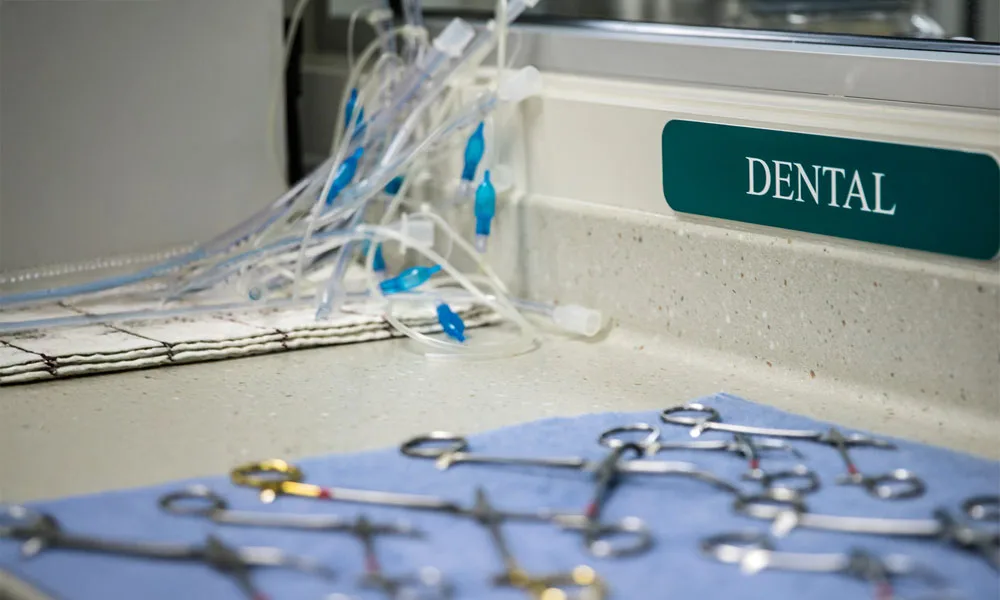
x: 945, y: 201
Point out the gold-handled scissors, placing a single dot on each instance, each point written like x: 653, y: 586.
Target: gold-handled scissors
x: 277, y: 477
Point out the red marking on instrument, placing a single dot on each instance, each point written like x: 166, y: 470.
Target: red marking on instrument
x: 852, y: 469
x: 260, y: 597
x: 591, y: 511
x: 371, y: 564
x: 883, y: 591
x: 755, y: 463
x: 325, y: 494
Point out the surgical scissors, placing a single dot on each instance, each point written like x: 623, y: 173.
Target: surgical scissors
x: 276, y: 477
x: 755, y: 552
x: 741, y: 444
x: 898, y: 484
x: 40, y: 531
x: 200, y: 501
x: 788, y: 511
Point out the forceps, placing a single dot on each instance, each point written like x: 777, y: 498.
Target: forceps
x: 741, y: 444
x: 896, y: 485
x: 274, y: 477
x: 788, y: 511
x: 199, y: 501
x: 606, y: 474
x: 547, y: 587
x: 755, y: 552
x: 40, y: 531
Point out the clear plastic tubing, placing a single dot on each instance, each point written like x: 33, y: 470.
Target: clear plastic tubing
x: 449, y: 45
x: 359, y: 193
x: 331, y: 298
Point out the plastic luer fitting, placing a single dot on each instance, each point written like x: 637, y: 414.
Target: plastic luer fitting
x: 486, y: 208
x: 516, y: 7
x: 345, y: 173
x: 521, y: 85
x: 474, y: 150
x: 408, y: 279
x: 577, y: 319
x: 451, y: 323
x: 454, y: 38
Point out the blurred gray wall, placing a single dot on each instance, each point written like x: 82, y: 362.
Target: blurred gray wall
x: 132, y: 126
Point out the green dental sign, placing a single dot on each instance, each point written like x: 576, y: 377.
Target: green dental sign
x: 944, y: 201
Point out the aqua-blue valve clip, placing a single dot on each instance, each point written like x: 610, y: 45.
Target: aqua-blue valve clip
x: 486, y: 208
x: 352, y: 101
x: 474, y: 149
x: 392, y: 188
x: 408, y: 279
x: 451, y: 323
x: 345, y: 173
x: 378, y: 261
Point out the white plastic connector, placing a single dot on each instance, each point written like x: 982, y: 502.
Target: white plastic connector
x: 526, y: 83
x: 516, y: 7
x: 577, y: 319
x: 419, y: 231
x: 377, y: 16
x: 454, y: 38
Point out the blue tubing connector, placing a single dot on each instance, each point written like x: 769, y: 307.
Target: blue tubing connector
x: 474, y: 149
x: 408, y: 279
x: 349, y: 109
x: 378, y: 262
x: 451, y: 323
x: 345, y: 173
x: 486, y: 208
x: 392, y: 188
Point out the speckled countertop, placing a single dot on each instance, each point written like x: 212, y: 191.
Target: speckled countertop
x: 901, y: 345
x: 143, y: 427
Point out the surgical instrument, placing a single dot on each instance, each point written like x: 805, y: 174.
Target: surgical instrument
x: 276, y: 477
x: 896, y: 485
x: 755, y: 552
x: 788, y: 511
x: 40, y: 531
x: 809, y: 480
x: 547, y: 587
x: 200, y: 501
x: 741, y: 444
x: 605, y: 472
x: 713, y: 421
x: 448, y: 449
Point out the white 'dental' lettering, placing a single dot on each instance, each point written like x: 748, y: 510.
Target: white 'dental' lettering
x: 780, y: 178
x: 761, y: 174
x: 752, y: 162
